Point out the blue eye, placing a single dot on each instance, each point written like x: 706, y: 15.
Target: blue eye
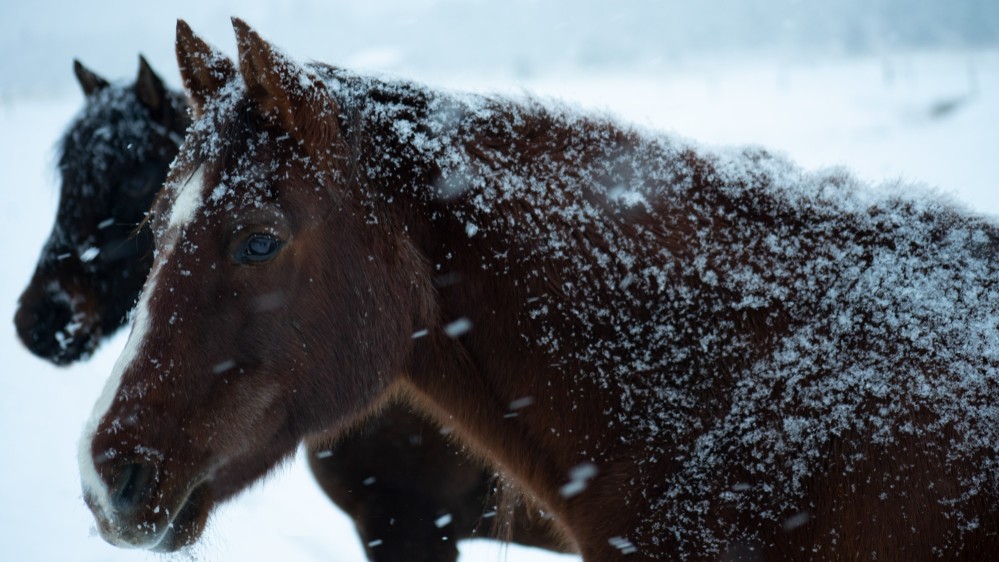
x: 258, y: 248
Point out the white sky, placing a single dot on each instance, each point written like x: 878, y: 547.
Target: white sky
x: 423, y: 38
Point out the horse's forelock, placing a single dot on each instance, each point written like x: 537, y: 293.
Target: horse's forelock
x: 235, y: 138
x: 216, y: 137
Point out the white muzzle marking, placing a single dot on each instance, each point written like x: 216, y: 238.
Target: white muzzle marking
x: 186, y: 204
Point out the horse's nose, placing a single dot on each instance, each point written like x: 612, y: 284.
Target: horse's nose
x: 40, y: 325
x: 132, y: 487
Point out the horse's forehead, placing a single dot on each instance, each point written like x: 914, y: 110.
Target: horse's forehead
x: 108, y: 139
x: 204, y: 199
x: 232, y: 160
x: 243, y: 169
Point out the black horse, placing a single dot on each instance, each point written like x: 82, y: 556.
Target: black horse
x: 112, y: 161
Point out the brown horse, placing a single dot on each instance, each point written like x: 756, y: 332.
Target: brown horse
x: 396, y: 476
x: 683, y: 354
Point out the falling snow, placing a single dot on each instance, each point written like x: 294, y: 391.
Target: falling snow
x: 247, y: 528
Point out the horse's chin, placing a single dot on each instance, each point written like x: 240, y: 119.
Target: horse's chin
x: 186, y: 528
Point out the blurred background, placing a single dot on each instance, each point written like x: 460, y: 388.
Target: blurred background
x: 518, y: 38
x: 892, y: 89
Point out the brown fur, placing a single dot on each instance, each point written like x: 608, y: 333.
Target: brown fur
x: 368, y: 261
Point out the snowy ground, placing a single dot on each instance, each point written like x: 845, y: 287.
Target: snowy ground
x: 926, y: 117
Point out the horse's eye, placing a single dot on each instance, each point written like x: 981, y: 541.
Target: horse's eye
x: 258, y: 248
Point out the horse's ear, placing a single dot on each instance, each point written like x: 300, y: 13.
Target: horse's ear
x: 90, y: 82
x: 279, y: 87
x: 204, y: 69
x: 150, y: 89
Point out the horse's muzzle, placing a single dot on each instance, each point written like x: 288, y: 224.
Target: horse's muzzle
x: 56, y: 326
x: 134, y: 510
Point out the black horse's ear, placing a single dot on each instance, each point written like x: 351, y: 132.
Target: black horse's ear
x: 150, y: 89
x: 90, y: 82
x: 204, y: 69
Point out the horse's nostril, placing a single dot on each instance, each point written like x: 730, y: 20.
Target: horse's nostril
x: 132, y: 486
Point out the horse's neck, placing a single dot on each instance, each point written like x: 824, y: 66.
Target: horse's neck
x: 524, y: 273
x: 572, y: 276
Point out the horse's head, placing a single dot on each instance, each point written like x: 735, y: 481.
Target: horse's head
x: 273, y: 309
x: 113, y: 160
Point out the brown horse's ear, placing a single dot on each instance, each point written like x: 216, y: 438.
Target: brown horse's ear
x: 279, y: 87
x: 204, y: 69
x: 150, y: 89
x: 90, y: 82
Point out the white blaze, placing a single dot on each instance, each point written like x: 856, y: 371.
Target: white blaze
x: 188, y: 200
x: 185, y: 205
